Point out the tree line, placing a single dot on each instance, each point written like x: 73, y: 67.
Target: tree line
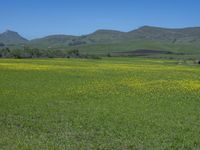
x: 28, y: 52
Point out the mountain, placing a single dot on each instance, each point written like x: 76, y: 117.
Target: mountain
x: 98, y: 37
x: 104, y: 36
x: 184, y: 40
x: 145, y: 33
x: 179, y: 41
x: 185, y: 35
x: 53, y: 41
x: 11, y: 37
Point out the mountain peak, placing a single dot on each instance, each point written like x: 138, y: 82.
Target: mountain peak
x: 146, y: 26
x: 11, y: 37
x: 106, y: 31
x: 9, y: 30
x: 9, y: 33
x: 149, y: 28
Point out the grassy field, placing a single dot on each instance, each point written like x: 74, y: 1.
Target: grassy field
x: 180, y: 51
x: 117, y: 103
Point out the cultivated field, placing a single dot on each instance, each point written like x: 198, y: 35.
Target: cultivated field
x: 116, y: 103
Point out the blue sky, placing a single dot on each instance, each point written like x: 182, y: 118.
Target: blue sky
x: 37, y: 18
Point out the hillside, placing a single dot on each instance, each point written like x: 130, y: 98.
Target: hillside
x: 53, y: 41
x: 185, y: 35
x: 98, y: 37
x: 105, y: 36
x: 11, y: 37
x: 103, y: 42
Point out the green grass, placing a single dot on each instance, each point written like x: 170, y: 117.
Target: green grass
x: 104, y: 49
x: 117, y: 103
x: 191, y: 50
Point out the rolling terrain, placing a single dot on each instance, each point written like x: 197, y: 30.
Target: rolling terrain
x: 146, y: 33
x: 185, y: 41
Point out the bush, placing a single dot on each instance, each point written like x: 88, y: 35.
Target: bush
x: 5, y: 53
x: 16, y: 53
x: 91, y: 56
x: 28, y: 52
x: 2, y: 44
x: 109, y: 55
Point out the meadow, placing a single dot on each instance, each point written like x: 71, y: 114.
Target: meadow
x: 112, y: 103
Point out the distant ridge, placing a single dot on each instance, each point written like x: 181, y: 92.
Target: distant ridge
x: 156, y: 35
x: 182, y: 35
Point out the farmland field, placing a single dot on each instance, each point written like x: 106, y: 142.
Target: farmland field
x: 116, y: 103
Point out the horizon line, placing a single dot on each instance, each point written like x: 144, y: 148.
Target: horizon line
x: 106, y: 29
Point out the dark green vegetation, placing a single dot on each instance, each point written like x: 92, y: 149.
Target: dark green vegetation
x: 116, y: 103
x: 28, y: 52
x: 181, y: 43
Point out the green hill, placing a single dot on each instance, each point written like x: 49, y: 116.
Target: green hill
x: 53, y: 41
x: 98, y: 37
x: 143, y: 34
x: 185, y: 35
x: 103, y: 42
